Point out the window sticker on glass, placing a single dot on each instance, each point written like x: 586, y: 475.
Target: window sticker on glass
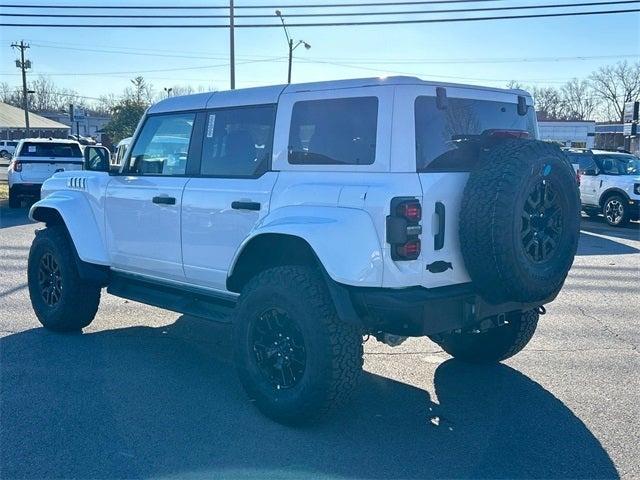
x: 211, y: 126
x: 32, y: 149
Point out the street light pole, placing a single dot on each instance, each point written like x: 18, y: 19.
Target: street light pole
x: 232, y: 47
x: 290, y: 58
x: 290, y: 44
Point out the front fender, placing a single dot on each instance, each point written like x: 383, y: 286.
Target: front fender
x: 344, y: 240
x: 74, y: 209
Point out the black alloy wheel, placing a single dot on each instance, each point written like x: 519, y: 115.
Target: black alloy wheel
x: 541, y: 222
x: 50, y: 280
x: 278, y: 347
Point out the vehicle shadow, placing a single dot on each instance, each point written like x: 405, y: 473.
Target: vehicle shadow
x: 590, y: 244
x: 600, y: 227
x: 158, y: 402
x: 13, y: 217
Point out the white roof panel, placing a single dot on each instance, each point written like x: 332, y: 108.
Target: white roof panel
x: 263, y: 95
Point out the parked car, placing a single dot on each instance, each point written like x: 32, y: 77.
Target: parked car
x: 610, y: 185
x: 35, y: 160
x: 311, y: 215
x: 7, y: 147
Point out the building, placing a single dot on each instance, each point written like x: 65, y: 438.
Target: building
x: 88, y: 126
x: 12, y: 126
x: 576, y: 134
x: 609, y: 136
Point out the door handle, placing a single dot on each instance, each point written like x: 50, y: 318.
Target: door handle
x: 163, y: 200
x: 438, y: 239
x: 245, y: 205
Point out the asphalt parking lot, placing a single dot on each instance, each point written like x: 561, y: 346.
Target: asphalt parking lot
x: 148, y: 393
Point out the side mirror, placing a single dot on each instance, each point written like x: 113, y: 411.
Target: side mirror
x: 590, y: 172
x: 96, y: 158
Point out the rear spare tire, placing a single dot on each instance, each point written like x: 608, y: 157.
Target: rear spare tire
x: 519, y: 221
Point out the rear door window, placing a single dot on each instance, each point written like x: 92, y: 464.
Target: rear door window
x: 340, y: 131
x: 442, y: 135
x: 50, y: 150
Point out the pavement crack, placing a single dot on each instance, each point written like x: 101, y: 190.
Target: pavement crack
x: 607, y: 328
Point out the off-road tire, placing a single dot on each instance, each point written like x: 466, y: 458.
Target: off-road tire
x: 78, y: 299
x: 333, y: 348
x: 493, y: 345
x: 14, y: 199
x: 492, y: 220
x: 624, y: 218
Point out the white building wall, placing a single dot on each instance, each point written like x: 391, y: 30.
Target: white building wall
x: 569, y: 134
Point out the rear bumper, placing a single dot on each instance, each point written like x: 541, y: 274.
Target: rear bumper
x: 26, y: 189
x: 420, y: 311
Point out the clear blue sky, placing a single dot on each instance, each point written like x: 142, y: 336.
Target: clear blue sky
x: 76, y: 58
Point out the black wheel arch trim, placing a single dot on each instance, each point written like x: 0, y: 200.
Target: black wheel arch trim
x: 613, y: 191
x: 90, y: 272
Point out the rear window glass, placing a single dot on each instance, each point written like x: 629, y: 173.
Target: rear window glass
x: 34, y: 149
x: 12, y: 144
x: 441, y: 134
x: 339, y: 131
x: 584, y: 160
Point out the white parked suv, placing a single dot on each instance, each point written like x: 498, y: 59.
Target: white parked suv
x: 37, y: 159
x: 311, y: 215
x: 609, y: 185
x: 7, y: 148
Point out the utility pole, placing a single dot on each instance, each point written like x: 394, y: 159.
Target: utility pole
x: 24, y: 65
x: 290, y: 42
x: 232, y: 47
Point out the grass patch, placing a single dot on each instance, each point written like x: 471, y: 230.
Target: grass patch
x: 4, y: 191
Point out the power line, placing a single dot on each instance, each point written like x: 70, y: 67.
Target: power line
x: 329, y: 24
x: 226, y: 7
x: 332, y: 14
x: 359, y: 60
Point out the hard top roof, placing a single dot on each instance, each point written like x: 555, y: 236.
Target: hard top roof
x: 264, y: 95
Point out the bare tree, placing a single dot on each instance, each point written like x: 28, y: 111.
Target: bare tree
x: 616, y: 85
x: 141, y: 92
x: 10, y: 95
x: 549, y: 103
x: 515, y: 85
x: 578, y: 100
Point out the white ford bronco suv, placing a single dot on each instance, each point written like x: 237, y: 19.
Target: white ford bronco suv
x: 311, y: 215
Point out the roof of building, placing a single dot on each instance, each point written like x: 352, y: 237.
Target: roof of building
x: 12, y: 117
x: 263, y: 95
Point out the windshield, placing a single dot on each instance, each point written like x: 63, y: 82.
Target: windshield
x: 619, y: 164
x: 440, y: 133
x: 50, y: 150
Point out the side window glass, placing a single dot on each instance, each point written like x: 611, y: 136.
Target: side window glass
x: 238, y: 141
x: 339, y: 131
x: 163, y: 145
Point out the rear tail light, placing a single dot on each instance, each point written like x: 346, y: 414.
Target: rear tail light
x: 409, y: 250
x: 17, y: 166
x: 578, y: 176
x: 403, y: 228
x: 411, y: 210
